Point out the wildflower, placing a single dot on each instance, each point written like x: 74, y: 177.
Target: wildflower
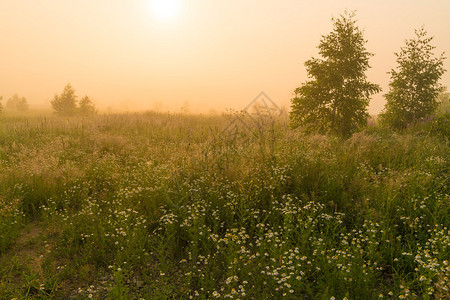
x: 216, y: 294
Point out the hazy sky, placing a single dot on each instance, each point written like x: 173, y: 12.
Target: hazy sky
x: 134, y: 54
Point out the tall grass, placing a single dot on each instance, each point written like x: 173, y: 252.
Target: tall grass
x: 171, y: 206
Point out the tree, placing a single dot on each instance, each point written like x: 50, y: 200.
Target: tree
x: 414, y: 87
x: 23, y: 104
x: 86, y: 107
x: 336, y: 96
x: 443, y: 100
x: 1, y: 107
x: 66, y: 103
x: 16, y: 102
x: 12, y: 102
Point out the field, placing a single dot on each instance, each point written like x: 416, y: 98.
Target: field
x: 170, y: 206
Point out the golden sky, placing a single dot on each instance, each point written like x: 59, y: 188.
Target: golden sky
x: 216, y: 54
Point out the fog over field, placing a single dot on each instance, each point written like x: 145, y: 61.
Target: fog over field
x: 215, y: 55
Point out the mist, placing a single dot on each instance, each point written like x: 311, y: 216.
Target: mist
x: 214, y: 56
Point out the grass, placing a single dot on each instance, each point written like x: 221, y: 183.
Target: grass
x: 167, y: 206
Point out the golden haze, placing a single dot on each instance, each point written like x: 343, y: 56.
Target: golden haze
x: 214, y: 54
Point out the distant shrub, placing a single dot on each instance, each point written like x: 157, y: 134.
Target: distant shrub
x: 86, y: 107
x: 66, y: 104
x: 441, y: 125
x: 18, y: 103
x: 437, y: 124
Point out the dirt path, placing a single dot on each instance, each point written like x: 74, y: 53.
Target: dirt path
x: 21, y: 267
x: 28, y: 248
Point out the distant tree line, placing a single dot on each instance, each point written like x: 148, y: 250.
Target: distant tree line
x: 66, y: 103
x: 15, y: 102
x: 336, y: 95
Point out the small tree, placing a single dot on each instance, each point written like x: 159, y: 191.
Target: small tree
x: 86, y: 107
x: 66, y: 103
x: 16, y: 102
x: 444, y: 101
x: 336, y: 97
x: 23, y: 104
x: 414, y: 87
x: 12, y: 102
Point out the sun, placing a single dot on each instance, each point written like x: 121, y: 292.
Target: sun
x: 165, y: 9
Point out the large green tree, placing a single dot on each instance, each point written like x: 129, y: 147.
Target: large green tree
x: 336, y: 96
x: 414, y: 87
x: 66, y: 103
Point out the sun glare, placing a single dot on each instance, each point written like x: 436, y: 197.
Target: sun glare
x: 165, y: 9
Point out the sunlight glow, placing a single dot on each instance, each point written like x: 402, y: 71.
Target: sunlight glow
x: 165, y: 9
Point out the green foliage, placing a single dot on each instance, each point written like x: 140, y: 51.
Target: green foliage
x: 1, y: 106
x: 66, y: 103
x: 444, y: 101
x: 440, y: 125
x: 18, y: 103
x: 414, y: 87
x: 86, y: 107
x: 120, y: 289
x: 336, y: 97
x: 140, y: 206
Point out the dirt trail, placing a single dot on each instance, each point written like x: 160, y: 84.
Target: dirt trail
x: 29, y: 248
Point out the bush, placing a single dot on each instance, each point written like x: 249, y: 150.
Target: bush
x: 66, y: 103
x: 18, y: 103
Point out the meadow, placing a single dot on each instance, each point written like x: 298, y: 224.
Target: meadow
x: 172, y: 206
